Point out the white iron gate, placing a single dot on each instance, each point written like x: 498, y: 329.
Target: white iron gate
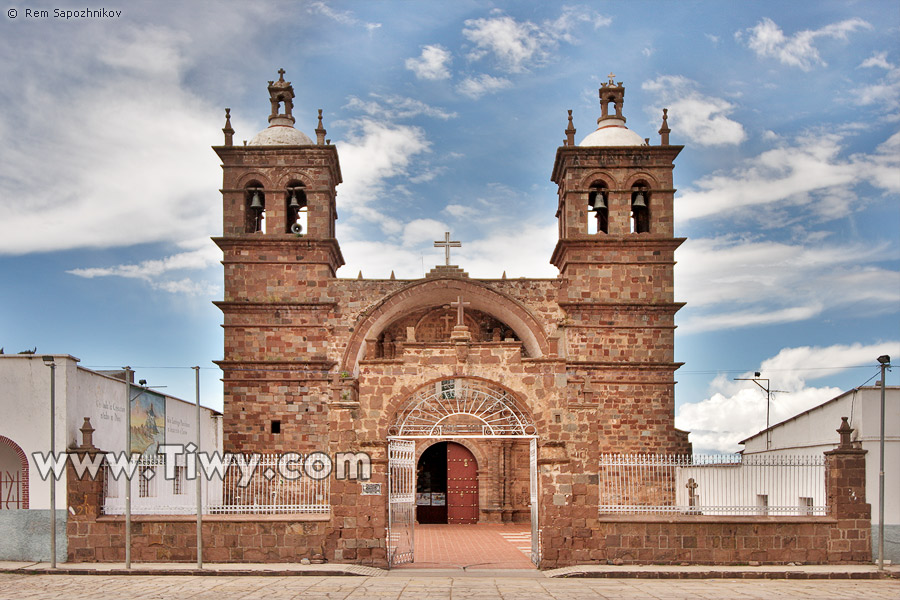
x: 535, y: 530
x: 401, y: 501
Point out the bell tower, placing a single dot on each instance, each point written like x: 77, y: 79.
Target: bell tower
x: 615, y: 256
x: 280, y: 252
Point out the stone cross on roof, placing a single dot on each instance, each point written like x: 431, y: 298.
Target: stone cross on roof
x: 281, y: 73
x: 447, y: 244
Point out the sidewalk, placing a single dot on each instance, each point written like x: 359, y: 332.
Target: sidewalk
x: 584, y: 571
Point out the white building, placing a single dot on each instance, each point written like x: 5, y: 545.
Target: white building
x: 813, y: 432
x: 79, y: 393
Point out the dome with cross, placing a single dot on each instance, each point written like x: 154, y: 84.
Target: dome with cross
x: 611, y: 130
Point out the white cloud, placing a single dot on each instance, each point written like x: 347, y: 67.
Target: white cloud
x: 432, y: 64
x: 422, y: 231
x: 475, y: 87
x: 702, y: 119
x: 374, y: 153
x: 519, y: 45
x: 766, y: 39
x: 120, y: 164
x: 730, y: 283
x: 344, y: 17
x: 485, y: 255
x: 878, y: 59
x: 885, y: 91
x: 394, y: 108
x: 794, y: 174
x: 735, y: 410
x: 152, y: 271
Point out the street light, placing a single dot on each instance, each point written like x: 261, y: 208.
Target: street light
x: 885, y: 362
x: 48, y: 360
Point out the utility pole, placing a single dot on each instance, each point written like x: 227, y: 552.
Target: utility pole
x: 48, y: 360
x: 885, y: 362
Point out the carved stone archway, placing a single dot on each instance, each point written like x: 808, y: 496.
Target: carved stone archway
x: 462, y: 407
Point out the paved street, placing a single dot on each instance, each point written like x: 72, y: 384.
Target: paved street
x: 77, y: 587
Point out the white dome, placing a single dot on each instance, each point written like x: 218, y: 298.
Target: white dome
x: 281, y: 135
x: 612, y: 132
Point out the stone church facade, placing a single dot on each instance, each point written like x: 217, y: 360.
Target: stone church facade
x: 583, y: 362
x: 478, y: 400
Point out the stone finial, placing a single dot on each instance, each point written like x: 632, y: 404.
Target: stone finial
x: 281, y: 96
x: 227, y: 130
x: 664, y: 130
x: 360, y: 274
x: 393, y: 276
x: 845, y: 430
x: 611, y: 93
x: 503, y: 276
x: 320, y: 130
x: 87, y: 435
x: 570, y: 132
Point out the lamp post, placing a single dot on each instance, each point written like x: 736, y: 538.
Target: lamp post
x: 48, y: 360
x: 128, y: 474
x: 885, y: 362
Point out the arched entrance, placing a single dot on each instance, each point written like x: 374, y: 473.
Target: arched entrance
x: 447, y: 485
x: 13, y: 475
x: 448, y: 410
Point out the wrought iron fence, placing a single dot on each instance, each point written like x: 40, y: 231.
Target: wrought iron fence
x: 720, y: 484
x: 267, y: 491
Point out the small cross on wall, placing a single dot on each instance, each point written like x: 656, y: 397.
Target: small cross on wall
x: 459, y: 305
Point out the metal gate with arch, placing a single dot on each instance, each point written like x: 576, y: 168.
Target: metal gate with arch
x: 452, y: 408
x: 401, y: 501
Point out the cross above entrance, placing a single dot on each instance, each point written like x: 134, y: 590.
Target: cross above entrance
x: 459, y: 306
x: 447, y: 244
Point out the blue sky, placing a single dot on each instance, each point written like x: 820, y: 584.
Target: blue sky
x: 447, y: 116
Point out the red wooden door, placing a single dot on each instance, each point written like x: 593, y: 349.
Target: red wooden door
x: 462, y: 485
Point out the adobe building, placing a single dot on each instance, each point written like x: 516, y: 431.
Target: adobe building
x: 493, y: 397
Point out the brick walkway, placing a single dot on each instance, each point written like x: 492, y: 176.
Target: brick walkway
x: 411, y: 587
x: 472, y: 547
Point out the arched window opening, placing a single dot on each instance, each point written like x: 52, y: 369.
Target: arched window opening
x: 598, y: 209
x: 297, y: 210
x: 255, y: 201
x: 640, y: 208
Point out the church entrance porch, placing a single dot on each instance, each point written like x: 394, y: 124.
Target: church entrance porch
x: 455, y: 422
x: 447, y: 485
x: 481, y: 546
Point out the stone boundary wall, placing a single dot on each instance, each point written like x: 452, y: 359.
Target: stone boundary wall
x: 572, y: 531
x: 244, y: 538
x: 844, y: 536
x: 639, y: 539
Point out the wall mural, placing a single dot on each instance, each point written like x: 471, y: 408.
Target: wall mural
x: 148, y: 421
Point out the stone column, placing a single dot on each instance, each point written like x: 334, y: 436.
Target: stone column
x: 845, y: 490
x: 84, y: 497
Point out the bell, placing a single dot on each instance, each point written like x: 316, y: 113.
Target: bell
x: 256, y: 202
x: 294, y: 204
x: 638, y: 201
x: 599, y: 202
